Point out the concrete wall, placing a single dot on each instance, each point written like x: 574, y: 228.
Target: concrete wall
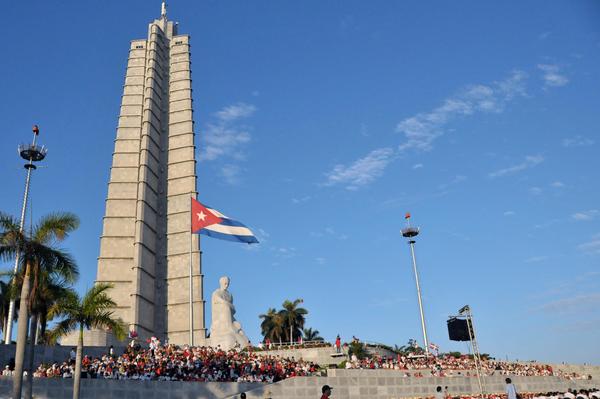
x: 324, y: 356
x: 350, y: 384
x: 63, y: 388
x: 50, y: 354
x: 386, y: 384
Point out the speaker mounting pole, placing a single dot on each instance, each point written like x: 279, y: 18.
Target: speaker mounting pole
x: 466, y: 312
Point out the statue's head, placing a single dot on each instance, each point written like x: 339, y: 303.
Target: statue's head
x: 224, y: 282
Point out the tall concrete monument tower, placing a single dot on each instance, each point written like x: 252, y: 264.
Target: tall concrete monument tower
x: 146, y: 247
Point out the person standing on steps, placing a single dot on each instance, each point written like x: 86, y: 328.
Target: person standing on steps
x: 511, y: 391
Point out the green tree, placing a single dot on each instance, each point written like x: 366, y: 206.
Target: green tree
x: 94, y: 310
x: 37, y: 251
x: 358, y: 349
x: 272, y: 326
x: 311, y: 335
x: 293, y: 319
x: 411, y: 347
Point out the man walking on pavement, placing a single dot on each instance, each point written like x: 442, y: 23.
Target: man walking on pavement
x: 326, y: 390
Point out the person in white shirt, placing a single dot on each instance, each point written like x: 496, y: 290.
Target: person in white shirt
x: 569, y: 395
x: 438, y: 393
x: 511, y: 391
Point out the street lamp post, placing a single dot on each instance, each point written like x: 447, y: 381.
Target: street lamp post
x: 31, y: 153
x: 410, y: 233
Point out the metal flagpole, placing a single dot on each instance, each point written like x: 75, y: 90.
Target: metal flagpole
x: 30, y: 153
x: 191, y: 283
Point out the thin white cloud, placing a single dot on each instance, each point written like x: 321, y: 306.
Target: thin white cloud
x: 283, y: 253
x: 300, y: 200
x: 586, y: 215
x: 536, y: 259
x: 421, y: 130
x: 557, y: 184
x: 544, y: 35
x: 535, y: 191
x: 455, y: 180
x: 509, y: 213
x: 329, y: 232
x: 529, y: 162
x: 224, y: 138
x: 577, y: 303
x: 362, y: 171
x: 577, y: 141
x: 552, y: 76
x: 320, y: 260
x: 417, y: 166
x: 231, y: 173
x: 236, y: 111
x: 592, y: 246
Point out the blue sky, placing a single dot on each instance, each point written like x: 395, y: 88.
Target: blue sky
x: 319, y: 125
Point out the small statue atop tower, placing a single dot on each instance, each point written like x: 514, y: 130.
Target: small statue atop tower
x: 163, y: 10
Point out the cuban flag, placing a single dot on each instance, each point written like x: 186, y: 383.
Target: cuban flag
x: 213, y: 223
x: 434, y: 347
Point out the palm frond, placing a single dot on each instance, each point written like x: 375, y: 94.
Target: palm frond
x: 55, y: 227
x: 8, y: 222
x: 61, y: 329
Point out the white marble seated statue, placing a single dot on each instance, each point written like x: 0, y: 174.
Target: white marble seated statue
x: 225, y: 331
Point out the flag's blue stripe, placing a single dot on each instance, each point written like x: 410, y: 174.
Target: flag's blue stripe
x: 229, y: 237
x: 231, y: 222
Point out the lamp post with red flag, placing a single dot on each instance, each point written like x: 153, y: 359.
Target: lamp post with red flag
x: 31, y: 153
x: 410, y: 233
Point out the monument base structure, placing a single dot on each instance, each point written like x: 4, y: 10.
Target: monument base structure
x: 146, y: 247
x: 372, y: 384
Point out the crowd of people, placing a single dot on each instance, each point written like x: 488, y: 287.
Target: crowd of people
x: 185, y: 363
x: 570, y: 394
x: 182, y: 363
x: 448, y: 366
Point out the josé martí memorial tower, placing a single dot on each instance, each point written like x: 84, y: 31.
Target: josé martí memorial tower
x: 146, y: 249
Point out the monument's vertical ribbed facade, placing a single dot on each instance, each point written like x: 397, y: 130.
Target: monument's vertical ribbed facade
x: 145, y: 244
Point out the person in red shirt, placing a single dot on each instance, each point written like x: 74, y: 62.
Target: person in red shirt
x: 338, y: 344
x: 326, y: 390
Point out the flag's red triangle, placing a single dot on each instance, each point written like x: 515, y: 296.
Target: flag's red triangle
x: 202, y: 217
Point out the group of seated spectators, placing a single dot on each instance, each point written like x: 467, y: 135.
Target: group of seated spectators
x: 299, y: 344
x: 570, y: 394
x: 448, y: 366
x: 185, y: 363
x: 182, y: 363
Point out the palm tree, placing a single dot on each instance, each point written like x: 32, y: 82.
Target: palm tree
x: 311, y: 335
x: 293, y: 318
x: 37, y: 251
x: 49, y: 294
x: 46, y: 290
x: 94, y: 310
x: 272, y: 326
x: 4, y: 303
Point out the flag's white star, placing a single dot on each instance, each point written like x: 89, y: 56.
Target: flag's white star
x: 201, y: 216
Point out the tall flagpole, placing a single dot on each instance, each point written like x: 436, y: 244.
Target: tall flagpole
x: 191, y: 281
x: 410, y: 233
x: 31, y: 153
